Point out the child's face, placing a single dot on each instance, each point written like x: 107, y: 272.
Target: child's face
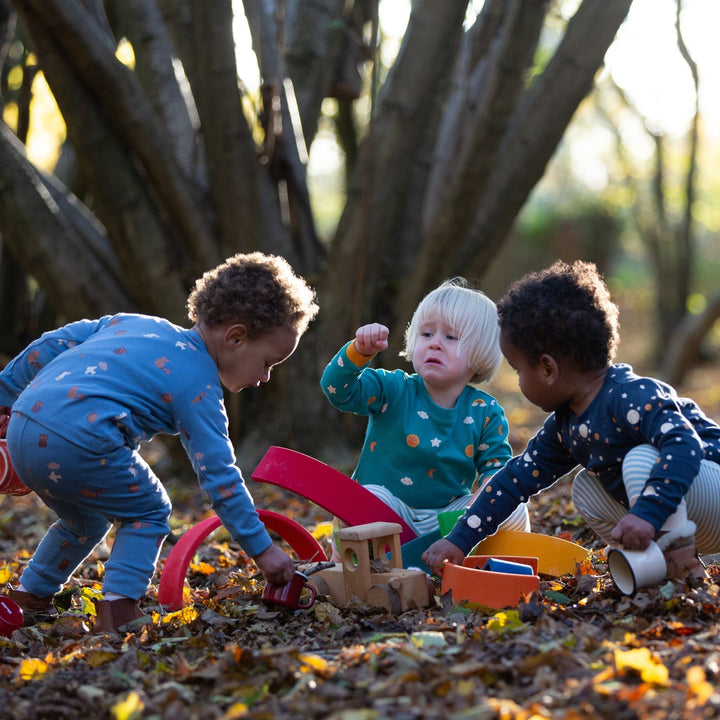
x: 436, y: 357
x: 245, y: 362
x: 532, y: 379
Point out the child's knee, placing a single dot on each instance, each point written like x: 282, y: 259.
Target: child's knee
x: 640, y: 460
x: 518, y: 520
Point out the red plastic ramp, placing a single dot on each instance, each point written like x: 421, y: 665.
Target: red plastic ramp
x: 326, y: 487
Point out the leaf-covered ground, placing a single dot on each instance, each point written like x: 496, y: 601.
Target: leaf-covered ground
x: 579, y: 650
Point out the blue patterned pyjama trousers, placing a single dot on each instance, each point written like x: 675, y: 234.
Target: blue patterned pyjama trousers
x: 90, y: 492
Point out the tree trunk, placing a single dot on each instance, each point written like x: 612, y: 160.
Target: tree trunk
x: 178, y: 170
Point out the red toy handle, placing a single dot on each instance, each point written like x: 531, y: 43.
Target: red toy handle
x: 10, y: 483
x: 172, y: 580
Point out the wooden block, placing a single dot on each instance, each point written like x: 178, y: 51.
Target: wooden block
x: 331, y: 581
x: 355, y: 560
x: 368, y: 531
x: 383, y: 537
x: 399, y: 590
x: 414, y: 588
x: 386, y: 551
x: 395, y: 591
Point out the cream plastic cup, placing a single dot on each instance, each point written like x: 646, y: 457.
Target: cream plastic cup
x: 632, y: 570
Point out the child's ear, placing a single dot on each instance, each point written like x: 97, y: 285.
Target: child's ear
x: 235, y: 335
x: 550, y: 368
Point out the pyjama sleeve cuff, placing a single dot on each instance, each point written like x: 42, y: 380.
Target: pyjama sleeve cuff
x: 355, y: 357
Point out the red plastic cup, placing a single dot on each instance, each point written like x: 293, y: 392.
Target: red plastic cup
x: 10, y: 483
x: 11, y: 616
x: 292, y: 594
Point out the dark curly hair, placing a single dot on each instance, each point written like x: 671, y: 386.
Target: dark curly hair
x: 259, y: 291
x: 564, y: 311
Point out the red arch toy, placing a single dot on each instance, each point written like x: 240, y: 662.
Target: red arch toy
x: 172, y: 579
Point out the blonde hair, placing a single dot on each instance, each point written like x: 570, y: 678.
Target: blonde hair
x: 474, y: 318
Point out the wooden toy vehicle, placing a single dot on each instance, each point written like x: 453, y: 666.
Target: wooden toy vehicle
x: 380, y: 581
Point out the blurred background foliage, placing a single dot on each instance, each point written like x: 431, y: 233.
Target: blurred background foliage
x: 631, y: 182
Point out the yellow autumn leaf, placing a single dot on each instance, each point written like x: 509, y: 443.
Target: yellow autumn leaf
x: 6, y: 573
x: 202, y: 567
x: 99, y: 657
x: 87, y: 597
x: 698, y: 686
x: 129, y: 708
x: 33, y: 668
x: 184, y: 616
x: 313, y: 662
x: 237, y: 710
x: 505, y: 621
x: 322, y: 530
x: 651, y: 670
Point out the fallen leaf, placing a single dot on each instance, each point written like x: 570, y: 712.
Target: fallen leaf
x: 129, y: 708
x: 32, y: 669
x: 650, y: 669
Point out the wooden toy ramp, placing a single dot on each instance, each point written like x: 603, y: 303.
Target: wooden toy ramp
x: 329, y: 488
x: 555, y: 556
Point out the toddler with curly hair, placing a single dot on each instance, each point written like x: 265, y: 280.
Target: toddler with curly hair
x: 650, y: 459
x: 85, y: 396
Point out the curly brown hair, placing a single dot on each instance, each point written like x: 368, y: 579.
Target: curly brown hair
x: 564, y: 311
x: 259, y: 291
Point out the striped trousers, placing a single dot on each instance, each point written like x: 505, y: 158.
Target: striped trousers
x: 426, y: 521
x: 701, y: 504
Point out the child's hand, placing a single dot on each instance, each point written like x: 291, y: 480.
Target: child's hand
x: 276, y: 565
x: 371, y: 339
x: 438, y: 552
x: 633, y: 533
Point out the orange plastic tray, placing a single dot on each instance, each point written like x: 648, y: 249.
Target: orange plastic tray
x: 469, y: 583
